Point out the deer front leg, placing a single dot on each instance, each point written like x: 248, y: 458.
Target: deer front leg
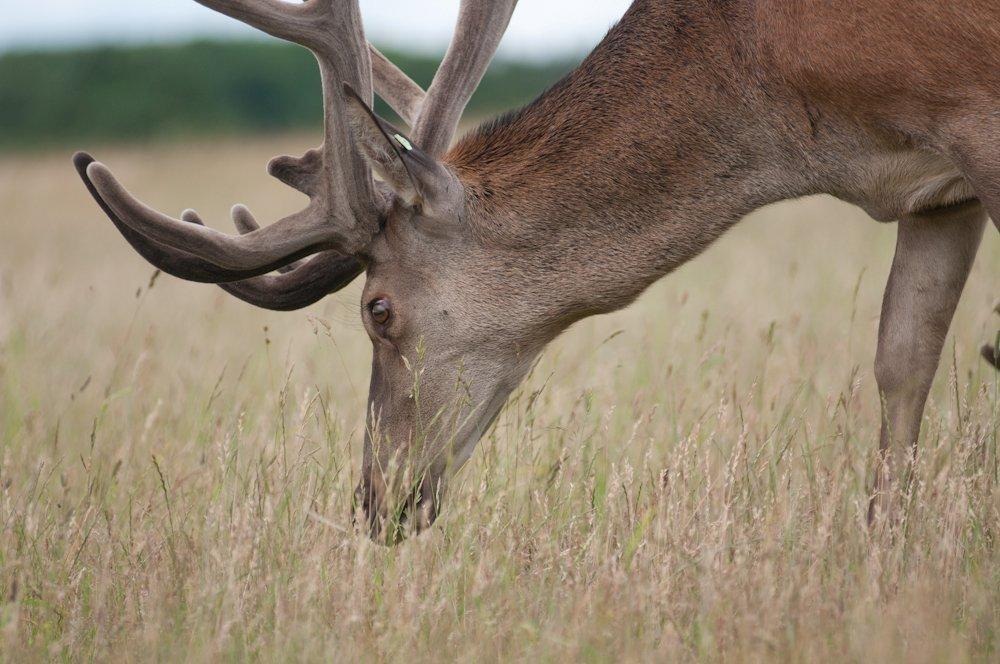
x: 934, y: 254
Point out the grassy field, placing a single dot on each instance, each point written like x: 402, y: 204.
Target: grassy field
x: 683, y: 480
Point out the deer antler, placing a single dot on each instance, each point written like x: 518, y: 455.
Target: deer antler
x: 301, y: 283
x: 343, y: 211
x: 396, y: 88
x: 481, y: 25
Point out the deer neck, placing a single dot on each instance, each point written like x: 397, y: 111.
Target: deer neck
x: 637, y: 160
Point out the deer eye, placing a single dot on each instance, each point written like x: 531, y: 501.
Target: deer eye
x: 380, y: 311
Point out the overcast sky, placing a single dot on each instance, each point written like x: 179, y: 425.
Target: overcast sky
x: 540, y: 28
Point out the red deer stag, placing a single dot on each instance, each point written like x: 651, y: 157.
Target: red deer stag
x: 689, y: 115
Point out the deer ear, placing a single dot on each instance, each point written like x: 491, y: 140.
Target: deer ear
x: 414, y: 175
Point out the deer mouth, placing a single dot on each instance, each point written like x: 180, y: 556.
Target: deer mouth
x: 390, y: 520
x: 390, y: 524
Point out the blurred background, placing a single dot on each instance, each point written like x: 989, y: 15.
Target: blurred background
x: 118, y: 70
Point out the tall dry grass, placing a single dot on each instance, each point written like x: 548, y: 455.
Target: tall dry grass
x: 683, y: 480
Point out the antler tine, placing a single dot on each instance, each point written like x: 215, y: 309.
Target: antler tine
x: 316, y: 278
x: 302, y: 24
x: 312, y: 280
x: 292, y: 22
x: 396, y: 88
x: 481, y: 25
x: 343, y: 210
x: 245, y: 223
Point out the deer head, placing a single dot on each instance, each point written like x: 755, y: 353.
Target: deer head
x: 448, y: 349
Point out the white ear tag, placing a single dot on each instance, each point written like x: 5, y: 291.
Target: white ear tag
x: 402, y: 141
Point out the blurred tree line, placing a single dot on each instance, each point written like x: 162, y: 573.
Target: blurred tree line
x: 207, y: 87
